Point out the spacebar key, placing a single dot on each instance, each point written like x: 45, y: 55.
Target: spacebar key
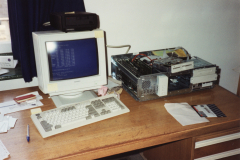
x: 73, y: 122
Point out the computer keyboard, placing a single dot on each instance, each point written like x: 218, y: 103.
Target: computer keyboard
x: 64, y: 118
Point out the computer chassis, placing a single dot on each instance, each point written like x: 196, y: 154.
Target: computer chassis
x: 163, y: 77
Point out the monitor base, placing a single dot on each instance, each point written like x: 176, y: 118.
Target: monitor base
x: 61, y: 100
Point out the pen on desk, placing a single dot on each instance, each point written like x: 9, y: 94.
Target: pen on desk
x: 8, y: 105
x: 28, y: 137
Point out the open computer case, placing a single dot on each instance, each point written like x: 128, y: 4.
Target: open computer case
x: 160, y: 73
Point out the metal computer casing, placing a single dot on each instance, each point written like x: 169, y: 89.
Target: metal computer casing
x: 202, y: 75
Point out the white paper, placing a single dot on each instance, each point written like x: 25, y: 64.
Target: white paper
x: 12, y: 106
x: 34, y: 93
x: 3, y: 126
x: 1, y: 117
x: 6, y: 123
x: 8, y: 62
x: 12, y: 122
x: 112, y: 84
x: 184, y: 113
x: 15, y: 62
x: 3, y: 151
x: 3, y: 71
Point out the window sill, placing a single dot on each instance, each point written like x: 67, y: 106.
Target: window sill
x: 17, y: 83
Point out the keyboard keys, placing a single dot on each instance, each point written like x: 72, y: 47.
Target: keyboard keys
x: 67, y: 117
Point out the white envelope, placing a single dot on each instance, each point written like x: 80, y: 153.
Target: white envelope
x: 184, y: 113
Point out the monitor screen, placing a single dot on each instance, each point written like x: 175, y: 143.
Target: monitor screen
x: 72, y: 58
x: 70, y: 65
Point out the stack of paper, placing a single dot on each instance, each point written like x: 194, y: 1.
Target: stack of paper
x: 184, y: 113
x: 6, y: 123
x: 12, y: 106
x: 3, y: 151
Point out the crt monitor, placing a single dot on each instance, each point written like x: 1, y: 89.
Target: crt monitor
x: 71, y: 64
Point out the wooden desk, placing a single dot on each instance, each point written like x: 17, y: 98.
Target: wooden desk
x: 147, y: 124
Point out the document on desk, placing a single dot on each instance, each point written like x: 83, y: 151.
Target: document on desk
x: 12, y: 106
x: 3, y: 151
x: 6, y: 123
x: 184, y: 113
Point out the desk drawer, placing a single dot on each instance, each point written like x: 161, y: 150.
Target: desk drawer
x: 218, y: 147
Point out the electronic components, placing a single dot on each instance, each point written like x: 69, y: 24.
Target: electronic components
x: 137, y: 67
x: 151, y: 75
x: 173, y: 65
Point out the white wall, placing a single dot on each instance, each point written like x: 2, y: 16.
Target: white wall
x: 208, y: 29
x: 5, y: 47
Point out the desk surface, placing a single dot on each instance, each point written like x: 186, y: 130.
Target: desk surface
x: 147, y: 124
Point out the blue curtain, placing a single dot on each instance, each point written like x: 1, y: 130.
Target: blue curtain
x: 27, y: 16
